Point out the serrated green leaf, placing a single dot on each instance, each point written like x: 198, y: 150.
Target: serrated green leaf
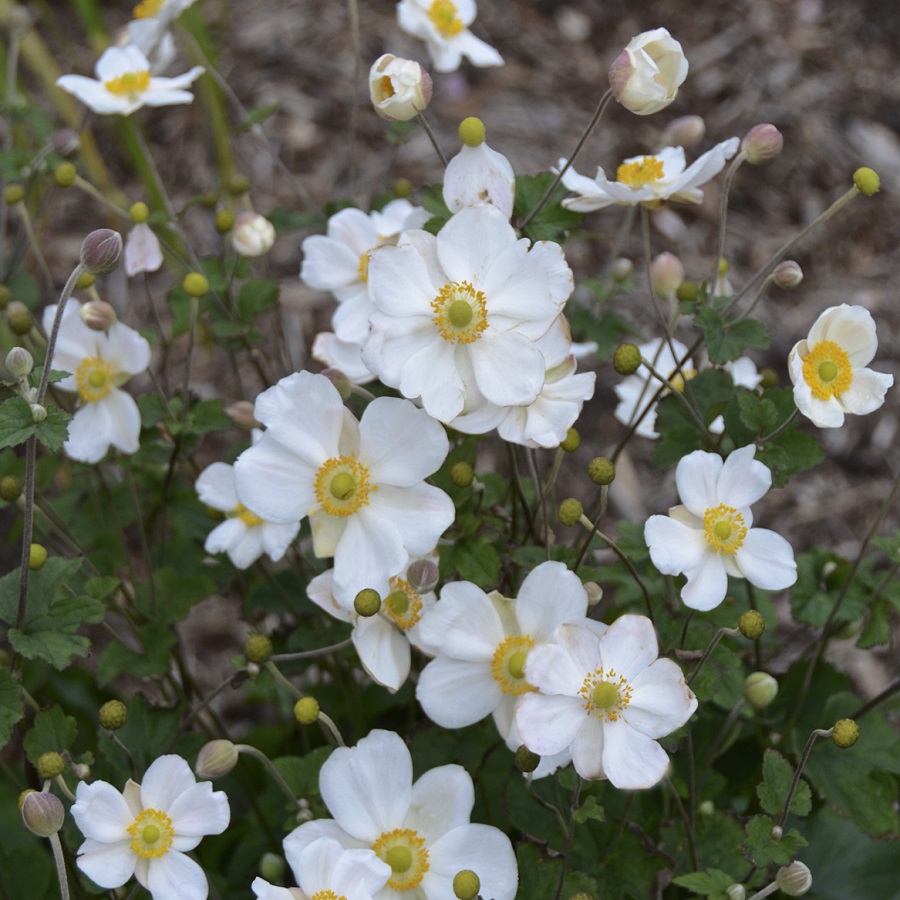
x: 590, y: 809
x: 757, y: 413
x: 790, y: 452
x: 877, y: 629
x: 11, y: 707
x: 553, y: 220
x: 16, y: 424
x: 53, y: 731
x: 764, y: 850
x: 255, y: 297
x: 712, y: 883
x: 772, y: 792
x: 726, y: 341
x: 302, y: 772
x: 148, y: 733
x: 152, y: 661
x: 101, y: 586
x: 54, y: 430
x: 474, y: 559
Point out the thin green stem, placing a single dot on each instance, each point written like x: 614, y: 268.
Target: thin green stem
x: 277, y: 777
x: 60, y: 862
x: 570, y: 838
x: 722, y: 632
x: 813, y: 737
x: 723, y: 216
x: 311, y: 654
x: 688, y: 828
x: 432, y: 137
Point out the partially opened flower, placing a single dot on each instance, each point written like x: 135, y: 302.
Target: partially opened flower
x: 478, y: 174
x: 100, y: 361
x: 399, y: 88
x: 253, y: 235
x: 648, y: 179
x: 606, y: 698
x: 124, y: 84
x: 420, y: 829
x: 361, y: 483
x: 142, y: 250
x: 444, y: 26
x: 148, y: 829
x: 829, y: 371
x: 711, y: 536
x: 647, y: 74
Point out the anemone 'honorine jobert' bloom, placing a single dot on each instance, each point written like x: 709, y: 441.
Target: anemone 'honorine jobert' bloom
x: 710, y: 537
x: 647, y: 74
x: 829, y: 371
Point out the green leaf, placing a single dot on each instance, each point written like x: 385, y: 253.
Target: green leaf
x: 553, y: 221
x: 255, y: 297
x: 288, y: 220
x: 790, y: 452
x: 16, y: 424
x: 712, y: 883
x: 764, y: 850
x: 151, y: 661
x: 176, y: 593
x: 474, y: 559
x: 54, y: 430
x: 590, y: 809
x: 727, y: 341
x: 772, y: 792
x: 432, y: 198
x: 877, y: 629
x: 302, y: 772
x: 11, y: 708
x: 148, y: 733
x: 53, y: 731
x: 757, y: 413
x: 258, y: 114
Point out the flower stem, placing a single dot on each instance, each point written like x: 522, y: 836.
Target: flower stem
x: 723, y: 216
x: 60, y: 861
x: 270, y: 767
x: 570, y: 838
x: 431, y: 137
x: 813, y: 737
x: 722, y: 632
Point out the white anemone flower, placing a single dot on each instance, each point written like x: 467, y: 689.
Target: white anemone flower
x: 710, y: 537
x: 124, y: 84
x: 647, y: 74
x: 346, y: 356
x: 339, y: 260
x: 444, y: 26
x: 607, y: 699
x: 482, y: 642
x: 362, y: 484
x: 420, y: 829
x: 99, y: 362
x: 479, y: 175
x: 458, y: 315
x: 142, y: 250
x: 148, y: 31
x: 829, y: 371
x: 649, y: 179
x: 148, y: 829
x: 382, y: 641
x: 325, y: 869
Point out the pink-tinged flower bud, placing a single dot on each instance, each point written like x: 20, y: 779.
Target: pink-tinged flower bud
x: 65, y: 142
x: 400, y: 88
x: 241, y: 415
x: 594, y: 592
x: 685, y: 131
x: 42, y: 813
x: 762, y: 143
x: 787, y: 274
x: 795, y: 879
x: 666, y: 273
x: 647, y: 74
x: 253, y: 234
x: 98, y: 315
x: 422, y: 576
x: 216, y: 759
x: 101, y: 250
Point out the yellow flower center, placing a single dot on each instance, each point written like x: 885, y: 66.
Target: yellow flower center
x: 151, y: 834
x: 640, y: 173
x: 327, y: 895
x: 386, y: 86
x: 508, y: 665
x: 827, y: 370
x: 251, y: 520
x: 445, y: 19
x: 148, y: 9
x: 95, y: 379
x: 364, y: 267
x: 405, y: 852
x: 403, y: 606
x: 460, y: 313
x: 342, y: 486
x: 724, y: 529
x: 129, y: 83
x: 605, y: 694
x: 678, y: 379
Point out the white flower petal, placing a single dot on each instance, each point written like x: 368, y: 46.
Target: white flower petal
x: 629, y: 646
x: 482, y: 849
x: 442, y: 799
x: 743, y: 479
x: 108, y: 865
x: 866, y: 392
x: 674, y: 546
x: 661, y: 701
x: 101, y: 813
x: 549, y: 724
x: 706, y: 585
x: 766, y: 560
x: 164, y: 781
x: 215, y: 487
x: 697, y: 476
x: 455, y: 693
x: 176, y: 875
x: 631, y: 760
x: 383, y: 650
x: 550, y: 595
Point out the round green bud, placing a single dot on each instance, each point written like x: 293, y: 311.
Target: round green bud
x: 706, y: 808
x: 769, y: 378
x: 113, y: 715
x: 526, y: 760
x: 20, y: 319
x: 42, y: 813
x: 627, y: 359
x: 272, y: 867
x: 195, y: 284
x: 865, y: 179
x: 601, y: 470
x: 50, y: 764
x: 571, y: 442
x: 687, y: 291
x: 64, y: 174
x: 777, y: 833
x: 101, y: 250
x: 760, y: 689
x: 403, y: 188
x: 570, y: 511
x: 724, y: 266
x: 19, y: 362
x: 622, y: 269
x: 37, y: 556
x: 216, y: 759
x: 139, y: 212
x: 752, y: 624
x: 736, y: 891
x: 471, y: 131
x: 38, y: 413
x: 14, y: 193
x: 10, y: 488
x: 306, y: 711
x: 5, y: 296
x: 462, y: 474
x: 238, y: 184
x: 224, y: 221
x: 794, y: 880
x: 466, y: 885
x: 257, y: 648
x: 367, y: 602
x: 85, y: 280
x: 846, y: 733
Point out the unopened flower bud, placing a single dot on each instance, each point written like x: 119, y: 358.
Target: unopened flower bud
x: 867, y: 181
x: 769, y: 378
x: 100, y: 251
x: 42, y: 813
x: 777, y: 833
x: 685, y: 131
x: 139, y: 212
x: 113, y: 715
x: 13, y: 193
x: 5, y: 296
x: 760, y: 689
x: 571, y: 442
x: 846, y: 733
x: 422, y: 575
x: 343, y: 384
x: 594, y: 592
x: 646, y: 75
x: 666, y: 273
x: 65, y: 142
x: 37, y: 556
x: 50, y: 764
x: 10, y: 488
x: 257, y: 648
x: 787, y: 274
x: 736, y: 892
x: 601, y: 470
x: 19, y: 362
x: 19, y: 318
x: 18, y: 20
x: 306, y: 710
x: 403, y: 188
x: 687, y: 291
x: 472, y: 131
x: 38, y: 413
x: 706, y: 808
x: 466, y: 885
x: 622, y: 269
x: 216, y: 759
x: 64, y: 175
x: 195, y: 284
x: 627, y: 359
x: 762, y: 143
x: 399, y: 88
x: 98, y: 315
x: 82, y: 771
x: 224, y: 221
x: 367, y: 602
x: 272, y: 867
x: 570, y: 511
x: 241, y: 415
x: 795, y: 879
x: 253, y: 235
x: 462, y: 474
x: 526, y: 760
x: 752, y: 624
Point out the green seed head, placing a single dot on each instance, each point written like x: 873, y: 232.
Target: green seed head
x: 462, y: 474
x: 571, y: 442
x: 471, y: 131
x: 113, y: 715
x: 601, y: 470
x: 752, y: 624
x: 50, y: 764
x: 14, y: 193
x: 224, y: 221
x: 10, y: 488
x: 195, y: 284
x: 466, y: 885
x: 570, y: 511
x: 19, y: 318
x: 526, y: 761
x: 846, y: 733
x: 306, y: 711
x: 627, y: 359
x: 37, y: 556
x: 867, y: 181
x: 367, y: 602
x: 257, y: 648
x: 64, y: 174
x: 687, y: 291
x: 139, y: 212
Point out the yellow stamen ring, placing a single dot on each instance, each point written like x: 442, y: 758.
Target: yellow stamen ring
x: 148, y: 9
x: 724, y: 529
x: 95, y: 379
x: 342, y: 486
x: 327, y: 895
x: 827, y: 370
x: 444, y: 17
x: 251, y: 520
x: 403, y: 606
x: 605, y: 694
x: 640, y: 173
x: 460, y: 312
x: 129, y: 83
x: 508, y: 665
x: 151, y: 833
x: 405, y: 852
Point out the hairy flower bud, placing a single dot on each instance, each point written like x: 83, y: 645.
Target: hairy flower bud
x: 42, y: 813
x: 422, y: 575
x: 622, y: 269
x: 685, y: 131
x: 306, y: 710
x: 19, y: 362
x: 787, y: 274
x: 736, y: 891
x: 100, y: 251
x: 570, y: 511
x: 762, y: 143
x: 846, y: 733
x: 795, y: 879
x: 98, y: 315
x: 19, y: 318
x: 253, y: 234
x: 216, y: 759
x: 38, y: 413
x: 65, y: 142
x: 627, y: 359
x: 113, y: 715
x: 760, y: 689
x: 646, y: 75
x: 752, y: 624
x: 399, y: 88
x: 666, y: 273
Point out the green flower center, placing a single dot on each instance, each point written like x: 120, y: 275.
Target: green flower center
x: 724, y: 529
